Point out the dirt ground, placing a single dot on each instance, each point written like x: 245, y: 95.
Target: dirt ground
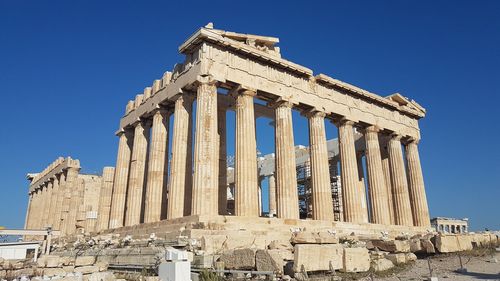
x: 480, y: 264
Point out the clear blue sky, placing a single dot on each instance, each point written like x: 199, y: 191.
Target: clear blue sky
x: 67, y: 69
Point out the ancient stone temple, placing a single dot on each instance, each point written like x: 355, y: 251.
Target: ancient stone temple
x: 232, y: 71
x: 62, y: 198
x: 188, y: 181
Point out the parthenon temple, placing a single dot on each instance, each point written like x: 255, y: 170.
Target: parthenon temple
x: 370, y: 177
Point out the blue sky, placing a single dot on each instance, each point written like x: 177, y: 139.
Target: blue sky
x: 67, y: 69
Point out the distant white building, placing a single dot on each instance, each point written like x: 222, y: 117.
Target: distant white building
x: 19, y: 250
x: 450, y: 225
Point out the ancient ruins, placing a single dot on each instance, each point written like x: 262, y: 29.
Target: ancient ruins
x: 322, y: 205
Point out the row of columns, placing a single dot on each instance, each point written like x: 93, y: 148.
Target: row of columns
x: 50, y: 204
x: 199, y: 187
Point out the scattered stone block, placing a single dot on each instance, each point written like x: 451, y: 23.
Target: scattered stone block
x: 382, y: 265
x: 356, y: 260
x: 415, y: 245
x: 213, y: 244
x: 397, y: 258
x: 269, y: 260
x: 52, y: 261
x: 54, y: 272
x: 464, y: 242
x: 393, y: 246
x: 239, y: 259
x: 446, y: 243
x: 84, y: 260
x: 410, y: 257
x: 87, y: 269
x: 101, y: 276
x: 280, y: 245
x: 316, y: 257
x: 427, y: 246
x: 305, y: 237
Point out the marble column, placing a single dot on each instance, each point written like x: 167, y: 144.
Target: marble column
x: 29, y: 211
x: 180, y: 168
x: 286, y: 174
x: 418, y: 199
x: 362, y: 187
x: 352, y: 199
x: 206, y: 158
x: 322, y: 204
x: 48, y: 201
x: 401, y: 197
x: 53, y: 201
x: 156, y: 187
x: 117, y: 214
x: 379, y: 206
x: 60, y: 198
x: 245, y: 167
x: 272, y: 195
x: 221, y: 131
x: 73, y: 185
x: 384, y: 154
x: 105, y: 196
x: 38, y: 217
x: 137, y: 173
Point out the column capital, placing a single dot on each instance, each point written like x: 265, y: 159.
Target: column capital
x: 372, y: 129
x: 281, y: 103
x: 411, y: 140
x: 205, y: 80
x: 242, y: 90
x: 395, y: 136
x: 313, y: 113
x: 162, y: 110
x: 343, y: 121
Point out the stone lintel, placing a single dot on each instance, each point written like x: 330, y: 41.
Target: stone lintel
x: 56, y: 168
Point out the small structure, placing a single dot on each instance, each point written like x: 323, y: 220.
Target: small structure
x: 450, y: 225
x: 19, y: 250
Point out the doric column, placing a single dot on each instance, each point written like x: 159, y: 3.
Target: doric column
x: 47, y: 205
x: 104, y: 208
x: 245, y: 167
x: 272, y: 195
x: 119, y: 195
x: 322, y: 205
x: 352, y: 199
x: 180, y: 167
x: 418, y: 199
x: 53, y: 201
x: 155, y: 207
x: 137, y: 173
x: 376, y: 179
x: 362, y: 186
x: 206, y: 158
x: 386, y: 167
x: 59, y: 201
x: 72, y: 185
x: 401, y: 197
x: 37, y: 216
x: 286, y: 174
x: 29, y: 210
x: 221, y: 131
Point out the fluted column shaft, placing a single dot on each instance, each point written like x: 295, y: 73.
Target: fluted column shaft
x: 206, y: 158
x: 105, y: 196
x: 155, y: 207
x: 29, y: 211
x: 322, y: 205
x: 401, y: 197
x: 221, y: 125
x: 246, y: 182
x: 72, y: 185
x: 362, y: 186
x: 286, y: 174
x: 180, y: 170
x: 47, y: 205
x: 386, y: 167
x: 59, y: 202
x: 376, y: 179
x: 272, y: 195
x: 419, y: 207
x: 137, y: 173
x: 53, y: 202
x: 39, y: 209
x: 119, y: 195
x: 352, y: 199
